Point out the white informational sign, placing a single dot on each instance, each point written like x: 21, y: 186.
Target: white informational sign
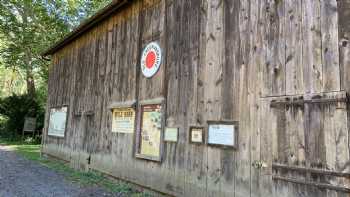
x: 151, y: 59
x: 123, y: 120
x: 58, y: 119
x: 171, y: 134
x: 221, y: 134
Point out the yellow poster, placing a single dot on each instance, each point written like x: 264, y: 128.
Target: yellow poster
x: 151, y: 130
x: 123, y: 120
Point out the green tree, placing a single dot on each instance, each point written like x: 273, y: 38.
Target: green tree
x: 28, y: 27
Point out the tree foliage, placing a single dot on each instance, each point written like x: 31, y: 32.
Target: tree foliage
x: 27, y: 28
x: 16, y: 107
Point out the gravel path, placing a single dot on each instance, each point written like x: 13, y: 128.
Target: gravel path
x: 23, y: 178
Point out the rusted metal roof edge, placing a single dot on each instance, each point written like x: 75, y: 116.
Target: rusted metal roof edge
x: 86, y: 25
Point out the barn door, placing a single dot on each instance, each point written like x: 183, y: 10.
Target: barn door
x: 84, y: 140
x: 89, y: 139
x: 310, y: 146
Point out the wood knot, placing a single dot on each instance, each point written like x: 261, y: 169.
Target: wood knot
x: 218, y: 81
x: 290, y: 57
x: 344, y: 43
x: 200, y: 83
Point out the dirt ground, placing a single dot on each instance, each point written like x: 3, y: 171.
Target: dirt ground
x: 23, y: 178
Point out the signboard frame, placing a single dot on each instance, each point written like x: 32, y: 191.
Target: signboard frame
x: 66, y: 121
x: 121, y: 109
x: 171, y: 140
x: 29, y: 126
x: 235, y: 125
x: 28, y: 122
x: 141, y: 104
x: 203, y: 134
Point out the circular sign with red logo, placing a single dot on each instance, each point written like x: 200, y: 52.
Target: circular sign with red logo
x: 151, y: 59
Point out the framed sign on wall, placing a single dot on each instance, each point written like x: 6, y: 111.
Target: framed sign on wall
x: 58, y: 121
x: 196, y: 134
x: 150, y: 135
x: 123, y: 120
x: 171, y: 134
x: 223, y: 133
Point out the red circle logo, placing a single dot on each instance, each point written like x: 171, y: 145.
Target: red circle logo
x: 150, y: 59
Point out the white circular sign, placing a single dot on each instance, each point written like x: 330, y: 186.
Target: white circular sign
x: 151, y: 59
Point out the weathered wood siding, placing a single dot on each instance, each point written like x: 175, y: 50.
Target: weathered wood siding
x: 279, y: 67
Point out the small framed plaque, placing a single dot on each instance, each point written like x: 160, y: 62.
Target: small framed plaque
x: 196, y: 135
x: 223, y: 133
x: 171, y: 134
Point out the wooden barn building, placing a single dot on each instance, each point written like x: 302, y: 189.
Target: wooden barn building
x: 239, y: 98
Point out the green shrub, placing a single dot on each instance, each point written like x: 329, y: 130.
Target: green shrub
x: 3, y: 120
x: 15, y: 108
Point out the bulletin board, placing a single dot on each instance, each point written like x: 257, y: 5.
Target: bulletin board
x: 58, y: 121
x: 150, y: 132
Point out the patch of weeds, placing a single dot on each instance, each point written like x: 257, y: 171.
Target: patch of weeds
x: 27, y: 150
x: 93, y: 178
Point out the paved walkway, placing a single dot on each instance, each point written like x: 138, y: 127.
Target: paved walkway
x: 20, y: 177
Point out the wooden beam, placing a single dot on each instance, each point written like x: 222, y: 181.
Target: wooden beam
x: 315, y: 184
x: 310, y: 170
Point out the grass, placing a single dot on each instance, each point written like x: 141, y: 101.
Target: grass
x: 32, y: 152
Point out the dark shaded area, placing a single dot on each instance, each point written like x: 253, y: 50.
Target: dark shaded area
x: 15, y: 108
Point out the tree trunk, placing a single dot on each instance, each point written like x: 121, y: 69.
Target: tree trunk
x: 30, y: 82
x: 28, y: 58
x: 29, y: 73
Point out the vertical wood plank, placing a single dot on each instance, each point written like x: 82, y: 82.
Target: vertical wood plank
x: 197, y: 165
x: 294, y: 75
x: 243, y: 162
x: 312, y: 46
x: 132, y: 64
x: 344, y: 46
x: 330, y: 50
x: 173, y: 19
x: 336, y: 142
x: 255, y: 75
x: 268, y: 128
x: 230, y: 85
x: 212, y: 82
x: 314, y: 136
x: 274, y: 70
